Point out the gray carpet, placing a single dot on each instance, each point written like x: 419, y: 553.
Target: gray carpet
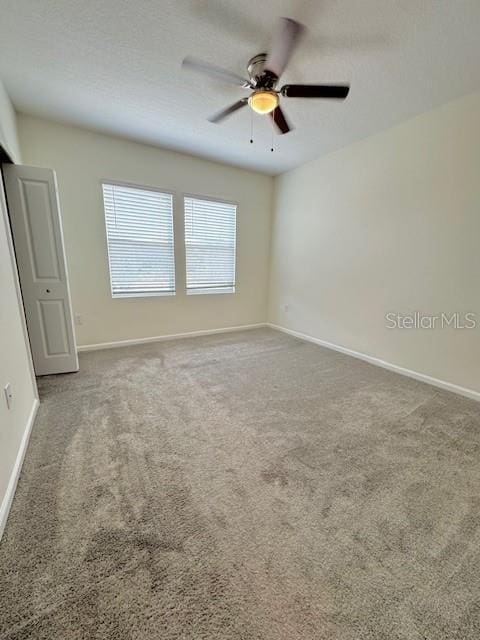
x: 244, y: 486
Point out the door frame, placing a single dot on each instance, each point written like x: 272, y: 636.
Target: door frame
x: 4, y: 158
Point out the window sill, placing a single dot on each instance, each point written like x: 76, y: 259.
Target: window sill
x: 203, y: 292
x: 154, y: 294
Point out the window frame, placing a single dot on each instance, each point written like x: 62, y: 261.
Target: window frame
x: 218, y: 200
x: 134, y: 185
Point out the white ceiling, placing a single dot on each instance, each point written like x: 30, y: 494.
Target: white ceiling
x: 115, y: 66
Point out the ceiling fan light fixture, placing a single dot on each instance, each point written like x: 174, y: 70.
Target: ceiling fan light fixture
x: 263, y: 101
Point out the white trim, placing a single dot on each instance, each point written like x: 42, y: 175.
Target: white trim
x: 422, y: 377
x: 172, y: 336
x: 219, y: 200
x: 17, y: 467
x: 135, y: 185
x: 154, y: 294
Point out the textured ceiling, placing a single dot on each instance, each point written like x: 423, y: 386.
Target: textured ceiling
x: 115, y: 66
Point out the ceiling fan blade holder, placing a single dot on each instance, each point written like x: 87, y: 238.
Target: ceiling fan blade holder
x: 327, y: 91
x: 224, y: 113
x: 215, y: 72
x: 283, y: 45
x: 255, y: 68
x: 278, y: 118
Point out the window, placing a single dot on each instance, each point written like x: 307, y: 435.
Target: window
x: 210, y: 245
x: 139, y: 223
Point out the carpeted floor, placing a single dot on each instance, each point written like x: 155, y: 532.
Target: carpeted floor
x: 244, y: 486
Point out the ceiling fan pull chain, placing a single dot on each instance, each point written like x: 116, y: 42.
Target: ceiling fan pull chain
x: 251, y: 127
x: 271, y: 148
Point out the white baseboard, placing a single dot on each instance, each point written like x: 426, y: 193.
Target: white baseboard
x: 173, y: 336
x: 447, y: 386
x: 17, y: 467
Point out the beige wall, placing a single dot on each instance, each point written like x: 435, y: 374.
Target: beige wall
x: 391, y: 223
x: 81, y: 159
x: 8, y: 126
x: 14, y: 355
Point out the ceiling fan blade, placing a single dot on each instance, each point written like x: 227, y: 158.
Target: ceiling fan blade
x: 338, y: 92
x: 217, y: 73
x: 221, y: 115
x: 278, y: 117
x: 283, y: 45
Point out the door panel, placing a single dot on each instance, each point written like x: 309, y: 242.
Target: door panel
x: 34, y: 210
x: 37, y: 211
x: 52, y: 324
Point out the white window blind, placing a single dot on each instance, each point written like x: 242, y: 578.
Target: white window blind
x: 210, y: 245
x: 139, y: 223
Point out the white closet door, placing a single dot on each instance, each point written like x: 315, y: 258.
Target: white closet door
x: 37, y: 233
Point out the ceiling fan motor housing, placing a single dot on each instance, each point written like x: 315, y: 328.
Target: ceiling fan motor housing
x: 258, y: 76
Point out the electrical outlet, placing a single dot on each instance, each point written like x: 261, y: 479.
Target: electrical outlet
x: 8, y: 395
x: 78, y: 319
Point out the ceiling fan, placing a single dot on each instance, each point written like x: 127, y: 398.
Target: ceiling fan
x: 264, y: 71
